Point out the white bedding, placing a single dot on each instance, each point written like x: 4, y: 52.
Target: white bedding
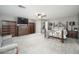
x: 58, y: 33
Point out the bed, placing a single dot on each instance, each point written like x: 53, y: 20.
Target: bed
x: 59, y: 31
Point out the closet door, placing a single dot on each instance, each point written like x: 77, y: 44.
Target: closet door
x: 9, y: 28
x: 5, y: 28
x: 12, y: 28
x: 31, y: 28
x: 22, y: 29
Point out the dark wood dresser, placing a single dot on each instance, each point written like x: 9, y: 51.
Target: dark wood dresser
x: 73, y: 34
x: 26, y: 29
x: 9, y: 28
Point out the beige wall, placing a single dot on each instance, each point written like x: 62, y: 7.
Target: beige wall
x: 67, y: 19
x: 56, y: 20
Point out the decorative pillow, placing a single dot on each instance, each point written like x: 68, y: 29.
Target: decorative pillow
x: 61, y: 28
x: 7, y: 40
x: 56, y: 28
x: 0, y: 41
x: 7, y: 37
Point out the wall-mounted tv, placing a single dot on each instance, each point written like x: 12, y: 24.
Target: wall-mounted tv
x: 22, y: 20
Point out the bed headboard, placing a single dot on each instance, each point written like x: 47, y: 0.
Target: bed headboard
x: 59, y: 24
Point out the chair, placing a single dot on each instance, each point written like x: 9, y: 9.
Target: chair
x: 7, y: 46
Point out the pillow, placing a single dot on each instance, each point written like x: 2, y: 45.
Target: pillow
x: 55, y: 28
x: 0, y: 41
x: 7, y: 37
x: 7, y: 40
x: 61, y: 28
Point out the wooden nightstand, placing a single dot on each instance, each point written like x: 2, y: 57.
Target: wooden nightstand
x: 73, y: 34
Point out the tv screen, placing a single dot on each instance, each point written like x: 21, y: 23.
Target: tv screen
x: 22, y: 20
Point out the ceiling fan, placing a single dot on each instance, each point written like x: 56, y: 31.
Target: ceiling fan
x: 21, y: 6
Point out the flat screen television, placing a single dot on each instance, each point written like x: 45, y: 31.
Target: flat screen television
x: 22, y: 20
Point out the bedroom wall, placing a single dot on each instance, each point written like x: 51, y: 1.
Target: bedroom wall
x: 66, y: 19
x: 10, y: 18
x: 38, y: 22
x: 3, y: 17
x: 38, y: 26
x: 56, y: 20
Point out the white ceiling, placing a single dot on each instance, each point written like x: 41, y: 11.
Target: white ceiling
x: 50, y: 10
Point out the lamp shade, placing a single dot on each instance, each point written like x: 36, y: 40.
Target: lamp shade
x: 72, y: 23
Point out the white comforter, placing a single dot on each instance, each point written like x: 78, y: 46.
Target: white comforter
x: 58, y: 33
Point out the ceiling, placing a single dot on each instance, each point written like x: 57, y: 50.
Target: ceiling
x: 52, y: 11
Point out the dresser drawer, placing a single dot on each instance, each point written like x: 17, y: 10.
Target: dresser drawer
x: 73, y: 34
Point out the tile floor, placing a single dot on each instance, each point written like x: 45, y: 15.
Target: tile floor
x: 38, y: 44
